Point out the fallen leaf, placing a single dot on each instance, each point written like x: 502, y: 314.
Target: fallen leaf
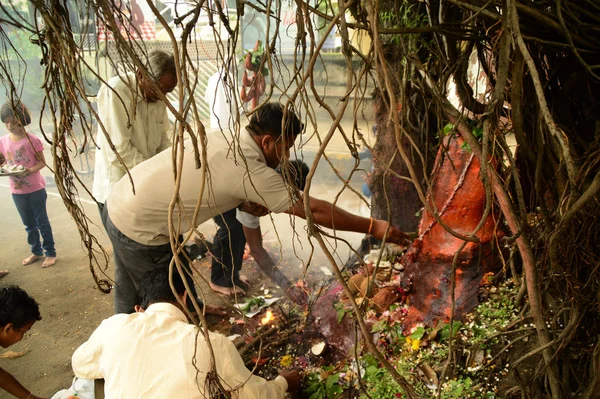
x: 12, y: 354
x: 428, y: 376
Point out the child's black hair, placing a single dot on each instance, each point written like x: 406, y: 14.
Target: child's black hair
x: 17, y: 110
x: 17, y: 307
x: 296, y: 174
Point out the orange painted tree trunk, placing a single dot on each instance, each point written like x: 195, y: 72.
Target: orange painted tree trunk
x: 459, y: 197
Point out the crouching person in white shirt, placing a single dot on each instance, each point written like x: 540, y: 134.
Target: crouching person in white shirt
x: 294, y: 175
x: 156, y: 353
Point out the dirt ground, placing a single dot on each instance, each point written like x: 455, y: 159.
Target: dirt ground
x: 72, y: 306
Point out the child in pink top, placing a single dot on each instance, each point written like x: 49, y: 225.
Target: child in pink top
x: 28, y: 189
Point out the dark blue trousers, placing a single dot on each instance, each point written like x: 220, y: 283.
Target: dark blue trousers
x: 32, y: 209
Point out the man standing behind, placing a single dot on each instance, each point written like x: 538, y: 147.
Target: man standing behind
x: 135, y: 120
x: 156, y: 353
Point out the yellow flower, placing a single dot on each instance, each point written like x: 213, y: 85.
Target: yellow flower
x: 413, y: 344
x: 286, y: 361
x: 416, y: 343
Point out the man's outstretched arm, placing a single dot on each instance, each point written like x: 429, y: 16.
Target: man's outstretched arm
x: 330, y: 216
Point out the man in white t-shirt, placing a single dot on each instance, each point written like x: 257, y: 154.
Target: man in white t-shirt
x: 219, y: 105
x: 239, y: 171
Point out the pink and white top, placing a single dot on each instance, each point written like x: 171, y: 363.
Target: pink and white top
x: 23, y: 153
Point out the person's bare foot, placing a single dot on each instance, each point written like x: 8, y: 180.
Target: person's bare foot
x: 30, y: 259
x: 244, y: 282
x: 3, y: 273
x: 49, y: 261
x: 229, y: 291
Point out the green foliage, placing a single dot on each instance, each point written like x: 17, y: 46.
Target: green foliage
x: 380, y: 325
x: 444, y: 333
x: 340, y: 311
x: 418, y: 333
x: 24, y: 48
x: 256, y: 57
x: 253, y: 304
x: 457, y: 389
x: 404, y: 14
x: 448, y: 129
x: 492, y: 316
x: 477, y: 133
x: 380, y: 383
x: 317, y: 388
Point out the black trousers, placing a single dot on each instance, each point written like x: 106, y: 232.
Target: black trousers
x: 132, y: 261
x: 228, y: 250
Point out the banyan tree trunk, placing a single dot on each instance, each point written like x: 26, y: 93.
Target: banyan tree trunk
x: 459, y: 197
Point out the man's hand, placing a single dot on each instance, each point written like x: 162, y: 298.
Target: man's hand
x: 216, y: 310
x: 254, y: 209
x: 293, y: 378
x: 395, y: 235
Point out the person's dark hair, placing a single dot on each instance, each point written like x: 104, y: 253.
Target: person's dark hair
x: 268, y: 120
x: 17, y: 110
x: 295, y: 173
x: 154, y: 287
x: 17, y: 307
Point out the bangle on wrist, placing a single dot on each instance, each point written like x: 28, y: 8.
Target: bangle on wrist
x: 370, y: 226
x: 30, y: 396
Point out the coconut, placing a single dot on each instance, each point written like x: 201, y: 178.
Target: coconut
x: 354, y: 283
x: 363, y: 288
x: 370, y: 268
x: 385, y: 297
x: 318, y: 349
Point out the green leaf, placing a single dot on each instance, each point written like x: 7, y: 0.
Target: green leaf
x: 331, y: 381
x: 418, y: 333
x: 313, y: 387
x: 340, y: 311
x: 448, y: 128
x: 253, y: 304
x: 320, y: 394
x: 370, y: 360
x: 445, y: 331
x: 381, y: 325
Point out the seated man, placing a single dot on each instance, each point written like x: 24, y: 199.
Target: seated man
x: 18, y: 313
x: 294, y: 175
x: 156, y: 353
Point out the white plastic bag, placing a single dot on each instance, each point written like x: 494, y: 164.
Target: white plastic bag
x: 83, y: 389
